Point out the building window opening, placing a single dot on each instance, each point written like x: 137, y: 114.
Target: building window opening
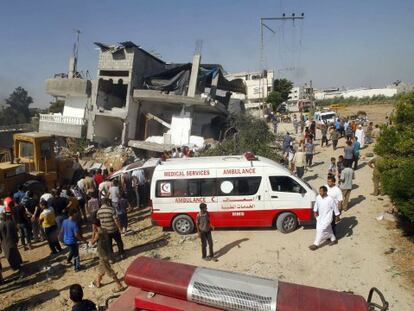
x: 111, y: 95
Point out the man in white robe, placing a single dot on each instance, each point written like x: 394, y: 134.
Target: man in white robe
x: 360, y: 134
x: 336, y: 194
x: 324, y: 209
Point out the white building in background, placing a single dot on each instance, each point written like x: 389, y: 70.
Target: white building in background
x: 356, y: 93
x: 258, y: 84
x: 296, y: 93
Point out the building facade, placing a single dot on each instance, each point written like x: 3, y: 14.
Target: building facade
x: 258, y: 86
x: 121, y: 69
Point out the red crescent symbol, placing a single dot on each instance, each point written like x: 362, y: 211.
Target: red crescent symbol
x: 212, y: 200
x: 163, y: 188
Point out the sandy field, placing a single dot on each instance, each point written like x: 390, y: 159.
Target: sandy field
x: 368, y: 254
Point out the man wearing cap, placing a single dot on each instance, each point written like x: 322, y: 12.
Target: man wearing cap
x: 204, y: 228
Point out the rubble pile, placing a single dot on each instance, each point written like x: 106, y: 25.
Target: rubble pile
x: 114, y: 156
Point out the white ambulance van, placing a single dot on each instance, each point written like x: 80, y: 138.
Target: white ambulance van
x: 240, y: 191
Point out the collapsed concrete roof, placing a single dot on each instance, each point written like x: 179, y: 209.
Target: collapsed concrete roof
x: 113, y: 48
x: 177, y: 78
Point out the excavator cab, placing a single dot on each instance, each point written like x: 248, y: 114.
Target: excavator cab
x: 35, y: 151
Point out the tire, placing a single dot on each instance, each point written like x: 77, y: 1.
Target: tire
x: 286, y: 222
x: 183, y: 224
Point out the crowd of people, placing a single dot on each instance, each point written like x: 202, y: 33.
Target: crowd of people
x: 94, y: 203
x: 179, y: 152
x: 334, y: 197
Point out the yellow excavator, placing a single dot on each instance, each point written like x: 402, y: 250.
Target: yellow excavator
x: 32, y: 162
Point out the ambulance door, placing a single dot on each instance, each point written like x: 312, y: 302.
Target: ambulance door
x: 240, y: 198
x: 287, y: 194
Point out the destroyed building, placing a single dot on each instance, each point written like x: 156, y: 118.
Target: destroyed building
x: 148, y: 104
x: 76, y: 91
x: 139, y: 100
x: 113, y: 114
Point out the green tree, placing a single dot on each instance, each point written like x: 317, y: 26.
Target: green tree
x: 19, y: 101
x: 246, y: 133
x: 274, y: 99
x: 283, y: 86
x: 396, y: 146
x: 57, y: 106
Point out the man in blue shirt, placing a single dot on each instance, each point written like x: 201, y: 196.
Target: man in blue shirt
x: 356, y: 146
x: 71, y: 235
x: 19, y: 195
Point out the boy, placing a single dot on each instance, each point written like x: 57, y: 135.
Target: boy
x: 80, y: 304
x: 332, y: 168
x: 100, y: 236
x: 340, y: 165
x: 204, y: 229
x: 71, y: 235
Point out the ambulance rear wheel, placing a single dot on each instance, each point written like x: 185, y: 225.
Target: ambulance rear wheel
x: 286, y: 222
x: 183, y: 224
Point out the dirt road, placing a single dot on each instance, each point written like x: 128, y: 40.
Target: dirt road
x: 356, y: 264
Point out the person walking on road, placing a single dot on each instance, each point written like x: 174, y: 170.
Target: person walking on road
x: 336, y: 194
x: 334, y: 137
x: 324, y: 208
x: 204, y: 229
x: 71, y: 235
x: 360, y: 135
x: 101, y: 238
x: 47, y: 219
x: 9, y: 240
x: 356, y: 146
x: 286, y: 142
x: 299, y: 162
x: 376, y: 177
x: 309, y: 150
x: 23, y: 225
x: 348, y: 153
x: 346, y: 186
x: 110, y: 222
x: 324, y: 132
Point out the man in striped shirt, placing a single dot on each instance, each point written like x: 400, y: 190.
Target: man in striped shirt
x: 110, y: 222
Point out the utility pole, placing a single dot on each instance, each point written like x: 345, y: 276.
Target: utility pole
x: 263, y: 26
x: 73, y: 62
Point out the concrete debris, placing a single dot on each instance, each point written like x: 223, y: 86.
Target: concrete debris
x: 115, y: 157
x: 89, y: 149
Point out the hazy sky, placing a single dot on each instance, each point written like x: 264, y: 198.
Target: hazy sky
x: 340, y: 43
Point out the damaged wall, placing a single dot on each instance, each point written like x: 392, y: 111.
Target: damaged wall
x: 121, y: 69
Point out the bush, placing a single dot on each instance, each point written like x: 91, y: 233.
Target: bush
x: 396, y: 146
x: 249, y: 134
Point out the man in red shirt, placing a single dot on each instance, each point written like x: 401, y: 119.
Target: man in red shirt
x: 98, y: 177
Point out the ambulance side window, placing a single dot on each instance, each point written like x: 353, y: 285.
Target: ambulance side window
x: 285, y: 184
x: 180, y: 188
x: 193, y: 185
x: 208, y: 187
x: 241, y: 185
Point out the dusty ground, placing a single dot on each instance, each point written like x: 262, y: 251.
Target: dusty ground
x: 359, y: 262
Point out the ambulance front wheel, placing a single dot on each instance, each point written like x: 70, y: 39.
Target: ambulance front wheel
x: 183, y: 224
x: 286, y: 222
